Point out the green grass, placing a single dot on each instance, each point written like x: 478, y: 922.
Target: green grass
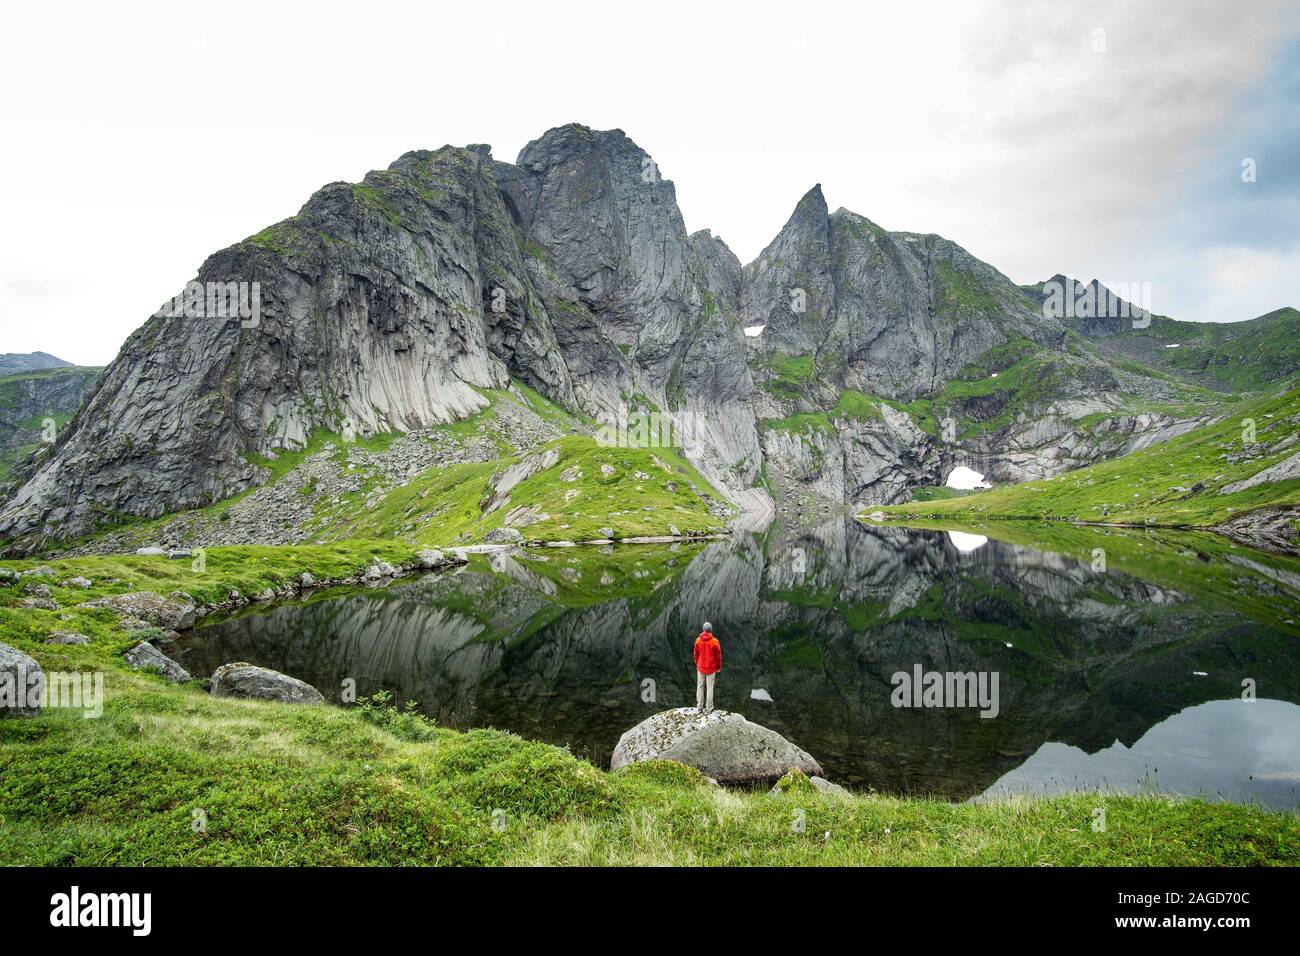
x: 790, y: 375
x: 279, y: 785
x: 444, y: 506
x: 368, y: 785
x: 1140, y: 487
x: 1235, y: 356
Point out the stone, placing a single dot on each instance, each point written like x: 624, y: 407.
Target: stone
x: 67, y: 637
x: 77, y: 582
x: 170, y: 613
x: 41, y: 603
x: 431, y: 559
x: 144, y: 656
x: 720, y: 744
x: 241, y: 679
x: 151, y: 552
x: 503, y: 535
x: 22, y: 684
x: 825, y: 786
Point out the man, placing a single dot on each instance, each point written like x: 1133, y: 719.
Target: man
x: 708, y: 661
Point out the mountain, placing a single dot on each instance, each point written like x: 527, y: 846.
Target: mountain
x: 12, y: 363
x: 424, y: 294
x: 36, y: 403
x: 1252, y: 355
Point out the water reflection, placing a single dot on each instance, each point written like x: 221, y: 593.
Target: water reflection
x: 574, y: 646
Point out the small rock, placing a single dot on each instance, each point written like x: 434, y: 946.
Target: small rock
x: 825, y: 786
x: 78, y: 582
x: 306, y: 580
x: 151, y: 552
x: 503, y: 536
x: 41, y: 603
x: 67, y: 637
x: 144, y: 656
x: 37, y: 590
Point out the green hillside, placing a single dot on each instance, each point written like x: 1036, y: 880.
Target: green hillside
x: 1180, y: 482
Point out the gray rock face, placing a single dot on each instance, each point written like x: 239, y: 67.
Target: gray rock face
x: 389, y: 304
x: 889, y: 314
x: 260, y: 683
x: 144, y: 656
x: 22, y: 684
x: 384, y: 305
x: 721, y: 745
x: 1282, y: 471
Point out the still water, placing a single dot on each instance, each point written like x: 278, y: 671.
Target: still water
x: 1124, y: 660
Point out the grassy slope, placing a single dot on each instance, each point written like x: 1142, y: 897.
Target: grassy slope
x: 280, y: 784
x: 1237, y: 356
x: 1137, y: 487
x: 441, y: 506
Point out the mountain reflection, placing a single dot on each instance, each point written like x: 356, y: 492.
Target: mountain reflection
x: 574, y: 646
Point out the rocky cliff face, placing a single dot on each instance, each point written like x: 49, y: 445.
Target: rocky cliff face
x: 392, y: 304
x: 388, y: 305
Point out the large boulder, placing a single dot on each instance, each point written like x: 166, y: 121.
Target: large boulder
x: 242, y: 679
x: 175, y: 612
x: 22, y: 684
x: 145, y: 657
x: 720, y: 744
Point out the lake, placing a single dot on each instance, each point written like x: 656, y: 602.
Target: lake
x: 963, y: 664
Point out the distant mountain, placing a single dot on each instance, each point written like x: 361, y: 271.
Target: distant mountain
x: 1232, y: 357
x: 12, y: 363
x: 36, y: 404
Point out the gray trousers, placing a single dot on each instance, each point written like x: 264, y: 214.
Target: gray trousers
x: 704, y: 690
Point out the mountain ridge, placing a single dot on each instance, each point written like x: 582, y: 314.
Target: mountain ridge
x: 400, y: 302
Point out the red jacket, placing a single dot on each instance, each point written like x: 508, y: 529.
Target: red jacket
x: 708, y: 654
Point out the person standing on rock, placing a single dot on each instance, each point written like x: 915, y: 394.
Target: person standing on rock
x: 708, y: 661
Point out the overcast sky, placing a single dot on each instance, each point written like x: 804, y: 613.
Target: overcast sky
x: 1105, y: 140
